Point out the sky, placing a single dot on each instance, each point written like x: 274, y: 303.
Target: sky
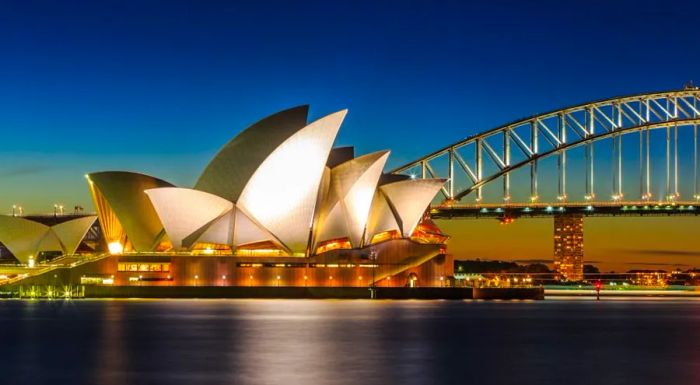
x: 159, y: 86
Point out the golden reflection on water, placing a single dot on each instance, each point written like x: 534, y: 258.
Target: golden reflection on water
x: 348, y: 342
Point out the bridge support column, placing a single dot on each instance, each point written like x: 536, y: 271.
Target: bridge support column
x: 568, y: 246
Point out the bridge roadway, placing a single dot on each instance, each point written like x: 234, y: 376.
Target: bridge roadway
x: 504, y: 211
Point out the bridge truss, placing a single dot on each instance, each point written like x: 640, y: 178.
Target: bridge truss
x: 497, y: 153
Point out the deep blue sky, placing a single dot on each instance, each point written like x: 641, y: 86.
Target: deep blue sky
x: 158, y: 87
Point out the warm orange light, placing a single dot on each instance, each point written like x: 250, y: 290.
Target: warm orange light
x: 385, y: 236
x: 115, y: 247
x: 333, y: 244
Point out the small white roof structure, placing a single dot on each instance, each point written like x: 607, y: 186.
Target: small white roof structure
x: 72, y: 232
x: 26, y: 238
x: 23, y: 237
x: 409, y: 200
x: 381, y: 218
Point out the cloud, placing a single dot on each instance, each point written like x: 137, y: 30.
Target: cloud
x: 656, y: 264
x: 658, y: 252
x: 23, y: 170
x: 533, y: 261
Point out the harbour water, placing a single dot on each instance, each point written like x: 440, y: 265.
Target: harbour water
x: 557, y: 341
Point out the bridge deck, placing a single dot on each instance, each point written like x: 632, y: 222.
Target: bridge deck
x: 516, y: 210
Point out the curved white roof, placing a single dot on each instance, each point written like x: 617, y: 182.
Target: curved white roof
x: 381, y: 218
x: 228, y: 173
x: 23, y: 237
x: 281, y: 195
x: 123, y: 191
x: 247, y: 231
x: 72, y: 232
x: 183, y: 211
x: 219, y: 231
x: 409, y: 200
x: 352, y: 187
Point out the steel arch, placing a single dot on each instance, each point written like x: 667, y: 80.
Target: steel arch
x: 567, y: 128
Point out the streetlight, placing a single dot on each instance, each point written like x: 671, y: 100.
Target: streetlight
x: 223, y: 278
x: 250, y: 280
x: 373, y: 258
x: 278, y: 281
x: 196, y: 280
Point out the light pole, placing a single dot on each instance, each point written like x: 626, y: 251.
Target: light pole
x: 373, y: 258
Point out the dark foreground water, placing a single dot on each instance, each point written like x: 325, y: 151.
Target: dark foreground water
x: 614, y: 341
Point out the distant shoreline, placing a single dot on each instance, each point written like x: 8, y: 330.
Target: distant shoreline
x: 622, y: 293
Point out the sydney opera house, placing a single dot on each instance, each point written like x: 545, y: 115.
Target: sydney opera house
x: 277, y: 206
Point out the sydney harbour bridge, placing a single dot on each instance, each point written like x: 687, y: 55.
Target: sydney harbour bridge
x: 571, y: 163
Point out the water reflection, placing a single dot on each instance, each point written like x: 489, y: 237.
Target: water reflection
x: 349, y: 342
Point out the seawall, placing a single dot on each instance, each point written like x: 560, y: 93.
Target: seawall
x: 289, y: 292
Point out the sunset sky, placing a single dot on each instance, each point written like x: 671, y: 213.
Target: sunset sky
x: 158, y: 87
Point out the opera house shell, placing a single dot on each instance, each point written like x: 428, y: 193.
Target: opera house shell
x: 276, y: 205
x: 30, y: 239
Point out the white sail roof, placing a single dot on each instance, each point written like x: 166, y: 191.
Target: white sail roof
x: 230, y: 170
x: 409, y: 199
x: 183, y: 211
x: 123, y: 191
x: 349, y: 199
x: 72, y: 232
x: 219, y: 231
x: 247, y: 231
x: 281, y: 195
x: 381, y: 218
x: 25, y: 238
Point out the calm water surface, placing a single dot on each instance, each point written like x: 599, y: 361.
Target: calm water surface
x: 576, y: 341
